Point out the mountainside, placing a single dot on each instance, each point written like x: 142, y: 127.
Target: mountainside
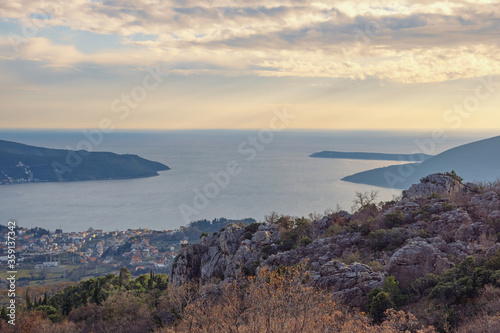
x: 424, y: 245
x: 21, y: 163
x: 476, y: 161
x: 372, y: 156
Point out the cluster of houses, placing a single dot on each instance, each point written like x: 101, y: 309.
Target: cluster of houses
x: 95, y: 247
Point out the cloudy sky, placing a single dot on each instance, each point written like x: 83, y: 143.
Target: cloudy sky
x: 175, y: 64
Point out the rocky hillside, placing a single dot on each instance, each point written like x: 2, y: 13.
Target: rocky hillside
x: 434, y: 227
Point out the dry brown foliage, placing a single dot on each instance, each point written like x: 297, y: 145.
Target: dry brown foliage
x: 278, y: 302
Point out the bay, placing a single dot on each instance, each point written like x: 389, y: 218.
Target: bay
x: 280, y: 178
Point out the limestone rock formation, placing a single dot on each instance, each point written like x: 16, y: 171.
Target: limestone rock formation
x: 351, y: 282
x: 417, y: 259
x: 436, y: 183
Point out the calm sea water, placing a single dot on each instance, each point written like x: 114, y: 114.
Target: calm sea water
x: 281, y: 178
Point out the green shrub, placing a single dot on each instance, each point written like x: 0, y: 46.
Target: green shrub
x: 305, y: 241
x: 384, y: 239
x: 252, y: 228
x: 453, y: 175
x: 423, y: 285
x: 494, y: 262
x: 289, y: 242
x: 353, y: 226
x: 434, y: 195
x: 394, y: 219
x: 423, y: 233
x: 464, y: 280
x: 448, y: 206
x: 379, y: 300
x: 378, y: 305
x: 50, y: 311
x: 351, y: 258
x: 334, y: 230
x: 267, y: 250
x: 450, y: 292
x: 424, y: 212
x: 376, y: 266
x: 251, y: 269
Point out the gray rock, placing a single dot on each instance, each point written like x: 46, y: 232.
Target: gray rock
x: 472, y: 232
x: 350, y: 281
x: 229, y: 239
x: 435, y: 183
x: 417, y: 259
x: 487, y: 202
x: 262, y: 238
x: 449, y: 223
x: 494, y: 216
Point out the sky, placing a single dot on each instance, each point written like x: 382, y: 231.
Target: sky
x: 190, y: 64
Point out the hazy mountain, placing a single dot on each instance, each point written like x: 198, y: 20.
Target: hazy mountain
x: 371, y: 156
x: 476, y: 161
x: 22, y: 163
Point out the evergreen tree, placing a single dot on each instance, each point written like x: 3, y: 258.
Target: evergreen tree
x: 379, y: 304
x: 95, y: 296
x: 3, y: 314
x: 29, y: 305
x: 124, y: 277
x: 151, y: 284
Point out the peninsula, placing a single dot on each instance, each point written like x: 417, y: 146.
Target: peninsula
x: 419, y: 157
x: 475, y: 162
x: 20, y: 163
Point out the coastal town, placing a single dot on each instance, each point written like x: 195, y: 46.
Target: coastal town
x: 44, y: 256
x: 47, y: 256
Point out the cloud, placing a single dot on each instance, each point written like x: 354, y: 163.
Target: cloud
x: 405, y: 41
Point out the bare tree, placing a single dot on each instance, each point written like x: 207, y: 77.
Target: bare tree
x: 272, y: 217
x: 363, y: 199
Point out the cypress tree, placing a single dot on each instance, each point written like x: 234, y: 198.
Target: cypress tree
x: 29, y: 305
x: 3, y: 314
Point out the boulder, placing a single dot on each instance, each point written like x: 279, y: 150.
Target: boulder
x: 417, y: 259
x: 448, y: 223
x: 262, y: 237
x: 471, y: 233
x: 487, y: 202
x: 436, y: 183
x: 353, y: 282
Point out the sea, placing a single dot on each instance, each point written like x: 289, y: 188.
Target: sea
x: 214, y: 173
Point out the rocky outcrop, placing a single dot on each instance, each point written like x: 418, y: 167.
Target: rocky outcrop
x: 436, y: 183
x: 187, y: 264
x: 487, y: 202
x: 427, y: 231
x: 446, y: 224
x: 417, y: 259
x: 318, y: 253
x: 318, y: 227
x: 351, y: 282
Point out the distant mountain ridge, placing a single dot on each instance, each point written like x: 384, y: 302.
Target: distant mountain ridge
x: 372, y: 156
x: 476, y: 161
x: 20, y: 163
